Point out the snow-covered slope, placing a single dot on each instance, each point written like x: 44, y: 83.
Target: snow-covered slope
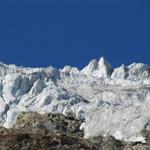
x: 109, y: 101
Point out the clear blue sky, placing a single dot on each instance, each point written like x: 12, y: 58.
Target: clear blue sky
x: 59, y: 32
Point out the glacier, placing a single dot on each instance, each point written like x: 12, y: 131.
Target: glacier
x: 109, y: 101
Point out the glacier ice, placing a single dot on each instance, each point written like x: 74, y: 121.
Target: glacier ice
x: 102, y: 68
x: 109, y: 101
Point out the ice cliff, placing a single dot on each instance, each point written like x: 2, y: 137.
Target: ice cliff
x: 109, y: 101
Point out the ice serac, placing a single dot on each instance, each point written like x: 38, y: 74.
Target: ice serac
x: 109, y: 101
x: 91, y: 67
x: 104, y: 68
x: 100, y: 69
x: 67, y: 70
x: 134, y: 71
x: 120, y: 72
x: 139, y: 70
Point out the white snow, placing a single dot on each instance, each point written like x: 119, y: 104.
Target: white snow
x: 109, y: 101
x: 102, y: 68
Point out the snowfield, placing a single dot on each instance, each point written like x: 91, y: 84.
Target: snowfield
x: 110, y: 101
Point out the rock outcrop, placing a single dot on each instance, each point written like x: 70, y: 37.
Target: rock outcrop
x: 34, y: 131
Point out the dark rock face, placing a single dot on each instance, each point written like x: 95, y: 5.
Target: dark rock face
x: 34, y: 131
x: 17, y: 140
x: 33, y: 122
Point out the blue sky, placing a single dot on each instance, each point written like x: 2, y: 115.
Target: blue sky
x: 71, y: 32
